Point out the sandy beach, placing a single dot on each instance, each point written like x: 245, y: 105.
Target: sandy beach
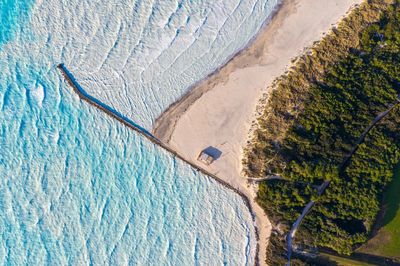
x: 219, y: 111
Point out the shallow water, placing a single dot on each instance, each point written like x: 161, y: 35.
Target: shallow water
x: 148, y: 53
x: 77, y: 187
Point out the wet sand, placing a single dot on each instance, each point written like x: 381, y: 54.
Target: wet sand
x: 219, y: 110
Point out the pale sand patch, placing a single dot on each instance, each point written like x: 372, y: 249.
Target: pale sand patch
x: 219, y: 111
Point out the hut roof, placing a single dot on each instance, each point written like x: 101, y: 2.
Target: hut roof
x: 205, y: 158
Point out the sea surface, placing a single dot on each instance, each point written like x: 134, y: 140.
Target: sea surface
x: 78, y: 188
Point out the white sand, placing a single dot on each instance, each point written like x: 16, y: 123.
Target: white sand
x: 218, y: 112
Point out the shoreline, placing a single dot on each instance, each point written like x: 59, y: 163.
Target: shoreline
x: 220, y: 110
x: 180, y: 106
x: 84, y: 96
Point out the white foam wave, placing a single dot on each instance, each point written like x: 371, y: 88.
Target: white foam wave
x: 137, y: 56
x: 38, y: 95
x: 140, y: 56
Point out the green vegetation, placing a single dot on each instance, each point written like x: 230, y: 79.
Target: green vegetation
x: 387, y: 240
x: 315, y: 117
x: 328, y: 259
x: 347, y: 262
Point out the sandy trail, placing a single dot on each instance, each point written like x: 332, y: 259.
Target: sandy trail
x: 218, y: 111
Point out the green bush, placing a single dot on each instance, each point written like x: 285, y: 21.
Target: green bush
x: 340, y: 96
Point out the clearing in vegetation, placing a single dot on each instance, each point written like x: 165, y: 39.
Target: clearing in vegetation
x: 387, y: 240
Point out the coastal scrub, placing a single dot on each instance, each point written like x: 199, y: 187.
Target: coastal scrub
x: 314, y: 118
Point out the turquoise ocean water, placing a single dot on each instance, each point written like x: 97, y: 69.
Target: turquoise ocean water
x: 78, y: 188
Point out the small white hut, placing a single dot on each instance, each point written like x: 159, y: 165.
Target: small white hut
x: 205, y: 158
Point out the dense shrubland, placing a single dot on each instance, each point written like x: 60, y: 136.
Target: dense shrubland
x: 314, y: 118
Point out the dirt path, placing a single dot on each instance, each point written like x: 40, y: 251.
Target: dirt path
x: 325, y: 184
